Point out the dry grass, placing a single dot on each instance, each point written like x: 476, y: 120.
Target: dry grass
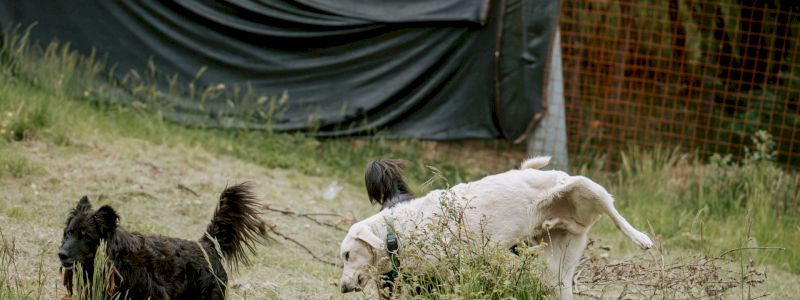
x: 141, y: 181
x: 653, y: 276
x: 664, y: 273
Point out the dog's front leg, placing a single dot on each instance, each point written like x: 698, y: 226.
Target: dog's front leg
x: 67, y: 281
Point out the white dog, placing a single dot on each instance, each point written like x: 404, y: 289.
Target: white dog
x: 512, y: 207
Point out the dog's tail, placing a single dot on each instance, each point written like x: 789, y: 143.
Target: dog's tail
x: 384, y: 182
x: 537, y: 162
x: 236, y: 224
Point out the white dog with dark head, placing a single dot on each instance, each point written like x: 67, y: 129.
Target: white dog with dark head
x: 512, y: 207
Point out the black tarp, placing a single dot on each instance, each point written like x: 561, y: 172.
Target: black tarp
x: 433, y: 69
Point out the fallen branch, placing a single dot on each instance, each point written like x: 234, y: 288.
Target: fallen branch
x: 187, y: 189
x: 310, y: 216
x: 750, y: 248
x: 133, y: 194
x: 587, y: 295
x: 299, y: 244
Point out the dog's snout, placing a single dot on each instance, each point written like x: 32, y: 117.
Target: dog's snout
x: 62, y: 255
x: 362, y: 281
x: 346, y: 288
x: 349, y: 285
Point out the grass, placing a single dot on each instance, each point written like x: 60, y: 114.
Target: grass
x: 14, y: 165
x: 79, y: 121
x: 61, y: 141
x: 716, y: 206
x: 11, y: 285
x: 95, y: 288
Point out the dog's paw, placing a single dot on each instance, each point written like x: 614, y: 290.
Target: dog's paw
x: 642, y: 240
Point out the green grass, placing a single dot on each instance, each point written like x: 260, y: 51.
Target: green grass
x: 44, y: 108
x: 94, y: 288
x: 14, y: 165
x: 40, y: 85
x: 712, y: 207
x: 60, y: 134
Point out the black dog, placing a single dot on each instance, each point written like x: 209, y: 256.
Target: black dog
x: 385, y: 184
x: 160, y: 267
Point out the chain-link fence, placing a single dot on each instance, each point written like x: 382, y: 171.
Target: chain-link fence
x: 704, y: 75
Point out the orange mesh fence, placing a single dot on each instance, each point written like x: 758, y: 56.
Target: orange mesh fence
x: 703, y: 75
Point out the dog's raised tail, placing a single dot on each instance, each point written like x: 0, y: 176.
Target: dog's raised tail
x: 537, y: 162
x: 236, y: 224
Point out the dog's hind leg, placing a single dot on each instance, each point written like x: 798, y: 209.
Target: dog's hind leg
x: 563, y: 252
x: 583, y: 189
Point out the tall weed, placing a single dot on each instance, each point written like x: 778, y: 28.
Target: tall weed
x: 11, y: 285
x: 465, y: 264
x: 100, y: 286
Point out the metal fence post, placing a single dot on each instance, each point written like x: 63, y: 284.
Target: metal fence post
x: 550, y: 135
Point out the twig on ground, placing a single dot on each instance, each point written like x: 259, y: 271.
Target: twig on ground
x: 311, y: 216
x: 584, y: 294
x: 153, y: 167
x: 138, y: 194
x: 750, y: 248
x: 299, y: 244
x: 187, y: 189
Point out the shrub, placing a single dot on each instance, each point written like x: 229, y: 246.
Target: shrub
x: 466, y: 265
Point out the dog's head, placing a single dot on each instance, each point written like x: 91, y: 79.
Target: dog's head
x: 384, y: 182
x: 83, y: 232
x: 364, y: 254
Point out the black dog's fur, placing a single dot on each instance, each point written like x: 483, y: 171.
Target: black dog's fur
x: 385, y: 184
x: 160, y: 267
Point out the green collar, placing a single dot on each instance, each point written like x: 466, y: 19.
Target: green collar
x: 392, y: 248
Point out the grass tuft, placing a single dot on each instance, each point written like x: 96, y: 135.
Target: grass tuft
x: 30, y: 124
x: 11, y: 287
x: 15, y: 165
x: 100, y: 286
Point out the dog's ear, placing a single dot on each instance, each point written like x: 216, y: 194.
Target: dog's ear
x: 365, y: 234
x: 83, y: 205
x: 106, y: 220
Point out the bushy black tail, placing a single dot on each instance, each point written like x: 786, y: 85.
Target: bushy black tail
x: 236, y: 224
x: 384, y: 182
